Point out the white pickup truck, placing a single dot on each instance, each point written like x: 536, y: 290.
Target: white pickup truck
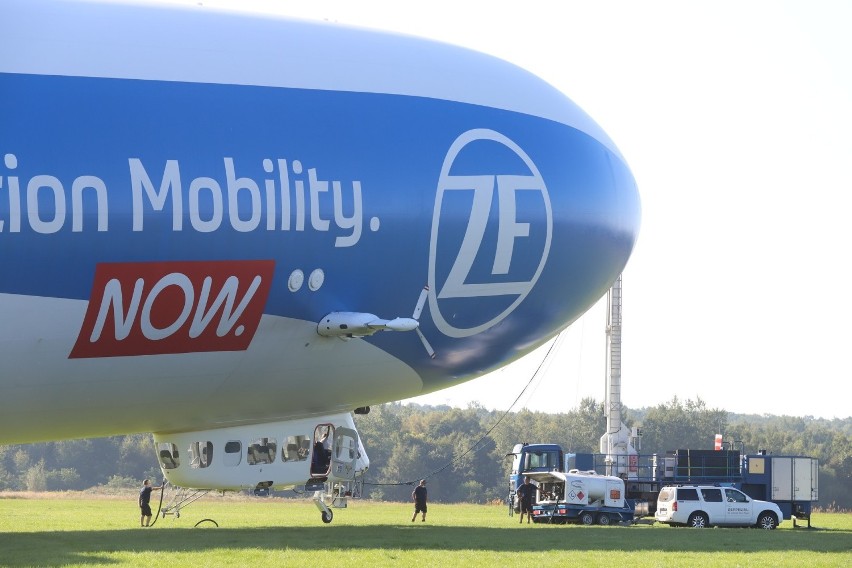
x: 702, y: 506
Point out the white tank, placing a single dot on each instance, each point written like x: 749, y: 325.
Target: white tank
x: 585, y: 488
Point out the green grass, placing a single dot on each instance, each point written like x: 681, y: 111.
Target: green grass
x: 83, y: 531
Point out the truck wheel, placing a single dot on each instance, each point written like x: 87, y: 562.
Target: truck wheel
x: 697, y: 521
x: 587, y: 518
x: 604, y: 519
x: 767, y: 520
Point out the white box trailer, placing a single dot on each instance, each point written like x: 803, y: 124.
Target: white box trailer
x: 790, y: 481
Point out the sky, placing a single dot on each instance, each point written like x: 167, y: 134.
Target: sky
x: 735, y: 118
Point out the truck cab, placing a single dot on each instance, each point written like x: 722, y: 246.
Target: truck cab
x: 531, y: 458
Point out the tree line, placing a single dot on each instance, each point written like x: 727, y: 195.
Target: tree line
x: 463, y: 451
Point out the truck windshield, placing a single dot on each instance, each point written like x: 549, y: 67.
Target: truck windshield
x: 547, y: 460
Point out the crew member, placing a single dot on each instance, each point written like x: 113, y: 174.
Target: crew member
x: 145, y: 501
x: 525, y: 497
x: 419, y: 497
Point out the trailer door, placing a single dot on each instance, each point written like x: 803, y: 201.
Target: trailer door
x: 805, y: 479
x: 782, y: 479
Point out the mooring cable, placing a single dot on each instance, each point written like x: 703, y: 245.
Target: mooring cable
x: 484, y: 436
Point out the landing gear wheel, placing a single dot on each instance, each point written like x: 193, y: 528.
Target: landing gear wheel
x: 327, y: 516
x: 587, y: 518
x: 604, y: 519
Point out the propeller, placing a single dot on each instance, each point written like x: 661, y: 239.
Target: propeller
x: 418, y: 309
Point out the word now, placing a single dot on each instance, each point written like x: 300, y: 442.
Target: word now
x: 156, y: 308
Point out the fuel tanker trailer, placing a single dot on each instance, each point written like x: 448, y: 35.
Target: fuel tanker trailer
x: 580, y: 496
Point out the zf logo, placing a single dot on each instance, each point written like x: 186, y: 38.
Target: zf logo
x: 503, y: 247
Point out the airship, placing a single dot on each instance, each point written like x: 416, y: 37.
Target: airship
x: 234, y: 230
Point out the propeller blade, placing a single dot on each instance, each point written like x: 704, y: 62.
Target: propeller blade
x: 428, y: 347
x: 421, y: 301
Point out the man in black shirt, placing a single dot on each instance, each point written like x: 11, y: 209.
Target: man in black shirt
x: 419, y: 497
x: 525, y: 497
x: 145, y: 501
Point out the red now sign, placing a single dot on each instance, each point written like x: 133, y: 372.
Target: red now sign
x: 153, y: 308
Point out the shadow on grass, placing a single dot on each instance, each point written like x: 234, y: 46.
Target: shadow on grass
x: 92, y: 547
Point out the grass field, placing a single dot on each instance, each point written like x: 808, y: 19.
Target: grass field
x: 85, y: 530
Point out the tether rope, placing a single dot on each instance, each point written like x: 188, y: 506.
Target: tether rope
x: 484, y: 436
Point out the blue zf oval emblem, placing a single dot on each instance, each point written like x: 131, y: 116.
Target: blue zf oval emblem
x: 491, y: 232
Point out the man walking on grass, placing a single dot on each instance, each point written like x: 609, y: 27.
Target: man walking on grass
x: 419, y: 497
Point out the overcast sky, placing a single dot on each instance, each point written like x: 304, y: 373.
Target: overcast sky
x: 736, y: 120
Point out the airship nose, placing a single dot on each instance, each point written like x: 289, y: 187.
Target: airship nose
x: 545, y: 233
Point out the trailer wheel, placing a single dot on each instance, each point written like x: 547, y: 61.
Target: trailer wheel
x: 697, y: 521
x: 604, y: 519
x: 767, y: 520
x: 587, y: 518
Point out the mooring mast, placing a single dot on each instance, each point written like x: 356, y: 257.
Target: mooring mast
x: 618, y: 444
